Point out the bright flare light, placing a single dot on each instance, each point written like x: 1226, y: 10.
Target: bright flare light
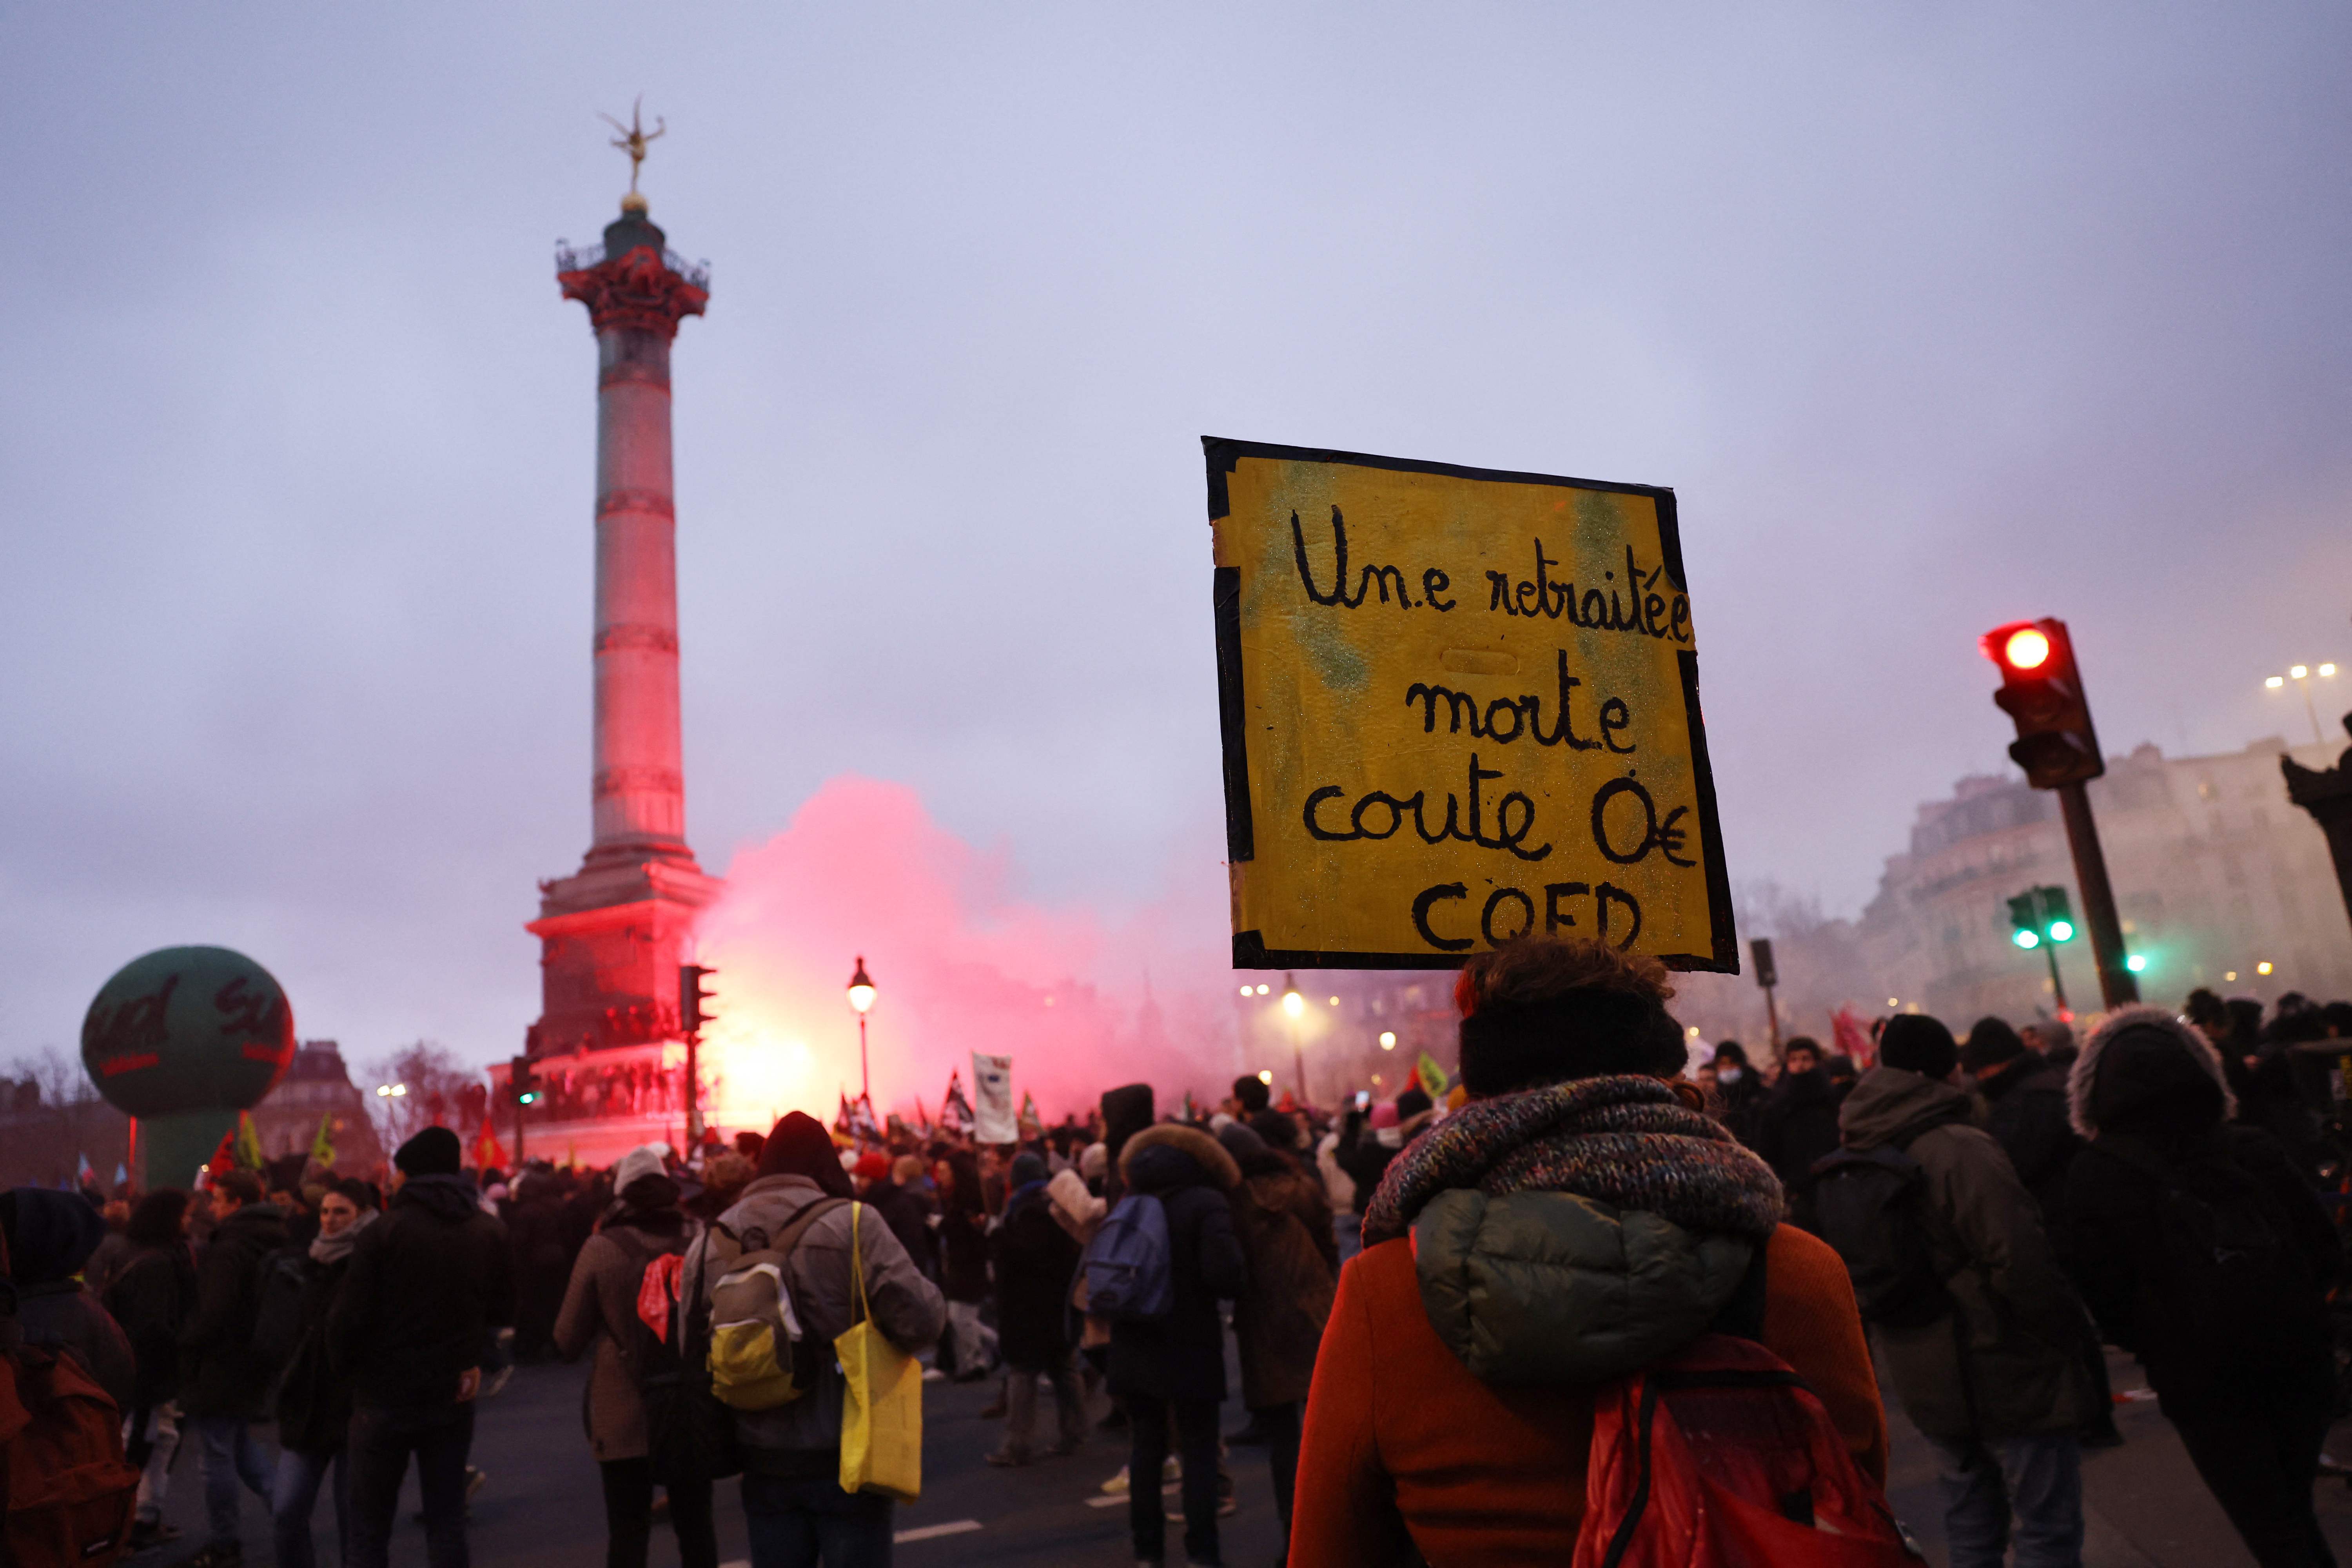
x: 1387, y: 1040
x: 2027, y: 939
x: 2062, y: 930
x: 2026, y: 650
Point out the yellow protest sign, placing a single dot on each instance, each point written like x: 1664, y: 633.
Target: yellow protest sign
x: 1458, y: 706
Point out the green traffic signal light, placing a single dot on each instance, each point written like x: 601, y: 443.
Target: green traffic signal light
x: 2027, y: 938
x: 2062, y: 930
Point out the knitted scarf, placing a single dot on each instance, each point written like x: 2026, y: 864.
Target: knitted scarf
x: 1624, y: 1141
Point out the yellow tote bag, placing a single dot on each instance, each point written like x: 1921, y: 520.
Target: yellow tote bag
x: 882, y: 1408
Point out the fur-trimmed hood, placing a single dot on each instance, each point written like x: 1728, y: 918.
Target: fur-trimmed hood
x: 1216, y: 1166
x: 2087, y: 1105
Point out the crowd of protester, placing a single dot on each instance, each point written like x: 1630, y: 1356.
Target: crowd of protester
x: 1427, y: 1297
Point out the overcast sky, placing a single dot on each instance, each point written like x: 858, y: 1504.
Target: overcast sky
x: 1932, y: 319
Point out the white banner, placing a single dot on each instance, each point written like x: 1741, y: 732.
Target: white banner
x: 992, y: 1099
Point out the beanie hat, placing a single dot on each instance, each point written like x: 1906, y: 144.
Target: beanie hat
x: 1917, y: 1043
x: 646, y: 1164
x: 874, y: 1165
x: 1587, y: 1032
x: 432, y: 1152
x: 1027, y: 1167
x: 1240, y: 1141
x: 1384, y: 1114
x: 1990, y: 1043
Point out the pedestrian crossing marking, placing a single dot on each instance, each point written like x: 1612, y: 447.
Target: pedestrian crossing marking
x: 956, y: 1527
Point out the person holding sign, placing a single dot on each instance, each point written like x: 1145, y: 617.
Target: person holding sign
x: 1453, y: 1423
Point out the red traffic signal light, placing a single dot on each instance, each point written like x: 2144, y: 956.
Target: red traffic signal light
x: 2042, y: 690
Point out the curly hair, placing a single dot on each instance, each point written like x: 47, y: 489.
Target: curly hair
x: 1533, y: 969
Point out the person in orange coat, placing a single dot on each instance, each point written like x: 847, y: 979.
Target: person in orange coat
x: 1576, y: 1220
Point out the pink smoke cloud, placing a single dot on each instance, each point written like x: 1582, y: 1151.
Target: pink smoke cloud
x: 1080, y: 1000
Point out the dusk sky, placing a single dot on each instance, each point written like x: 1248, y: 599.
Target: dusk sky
x: 1933, y: 321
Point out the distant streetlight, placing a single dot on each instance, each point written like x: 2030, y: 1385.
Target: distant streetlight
x: 861, y: 997
x: 2301, y: 674
x: 391, y: 1090
x: 1387, y: 1040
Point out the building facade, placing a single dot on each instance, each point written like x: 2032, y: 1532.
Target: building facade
x: 2220, y: 882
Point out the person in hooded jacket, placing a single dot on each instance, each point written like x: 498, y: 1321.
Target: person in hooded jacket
x: 792, y: 1502
x: 1284, y: 1222
x: 600, y: 1308
x: 1174, y: 1367
x: 1741, y: 1089
x: 1797, y: 1124
x: 1035, y: 1254
x: 1452, y: 1425
x: 314, y: 1405
x: 1997, y: 1385
x: 2025, y: 1100
x: 427, y: 1284
x: 50, y: 1235
x: 537, y: 1230
x: 224, y: 1387
x: 2238, y: 1352
x: 150, y: 1299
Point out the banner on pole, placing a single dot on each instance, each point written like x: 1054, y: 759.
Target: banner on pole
x: 1458, y: 706
x: 992, y: 1093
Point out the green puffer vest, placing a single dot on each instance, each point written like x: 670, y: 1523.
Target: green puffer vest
x: 1546, y: 1288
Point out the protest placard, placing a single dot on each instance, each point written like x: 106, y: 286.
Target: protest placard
x: 1458, y: 706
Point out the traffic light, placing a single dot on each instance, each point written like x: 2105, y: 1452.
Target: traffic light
x: 2041, y: 914
x: 2042, y: 690
x: 523, y: 1082
x: 693, y: 1001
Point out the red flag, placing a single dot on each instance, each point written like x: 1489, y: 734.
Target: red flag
x: 487, y: 1151
x: 225, y: 1157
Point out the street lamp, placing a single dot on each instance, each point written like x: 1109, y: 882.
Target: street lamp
x: 2300, y: 675
x: 1295, y: 1006
x: 1387, y: 1040
x: 861, y: 997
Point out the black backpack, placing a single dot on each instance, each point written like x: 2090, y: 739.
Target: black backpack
x: 1868, y: 1204
x: 2230, y: 1273
x: 690, y: 1435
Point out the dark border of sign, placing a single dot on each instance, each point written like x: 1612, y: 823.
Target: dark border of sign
x: 1250, y: 950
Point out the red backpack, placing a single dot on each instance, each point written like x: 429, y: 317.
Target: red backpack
x: 1720, y: 1456
x: 70, y: 1495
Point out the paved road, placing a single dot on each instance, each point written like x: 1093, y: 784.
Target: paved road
x: 541, y: 1507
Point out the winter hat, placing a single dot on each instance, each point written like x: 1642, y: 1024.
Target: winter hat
x: 1240, y: 1141
x: 1027, y: 1167
x: 874, y: 1165
x: 1731, y: 1051
x: 1384, y: 1114
x: 1990, y: 1043
x: 432, y: 1152
x: 50, y: 1235
x: 1411, y: 1103
x: 1547, y: 1011
x: 1094, y: 1162
x: 644, y: 1165
x: 1917, y: 1043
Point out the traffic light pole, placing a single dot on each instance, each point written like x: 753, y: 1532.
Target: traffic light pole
x: 693, y: 1100
x: 2057, y: 985
x: 2116, y: 986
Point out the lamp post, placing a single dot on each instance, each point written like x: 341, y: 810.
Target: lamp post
x: 1295, y: 1006
x: 2300, y: 675
x: 861, y: 997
